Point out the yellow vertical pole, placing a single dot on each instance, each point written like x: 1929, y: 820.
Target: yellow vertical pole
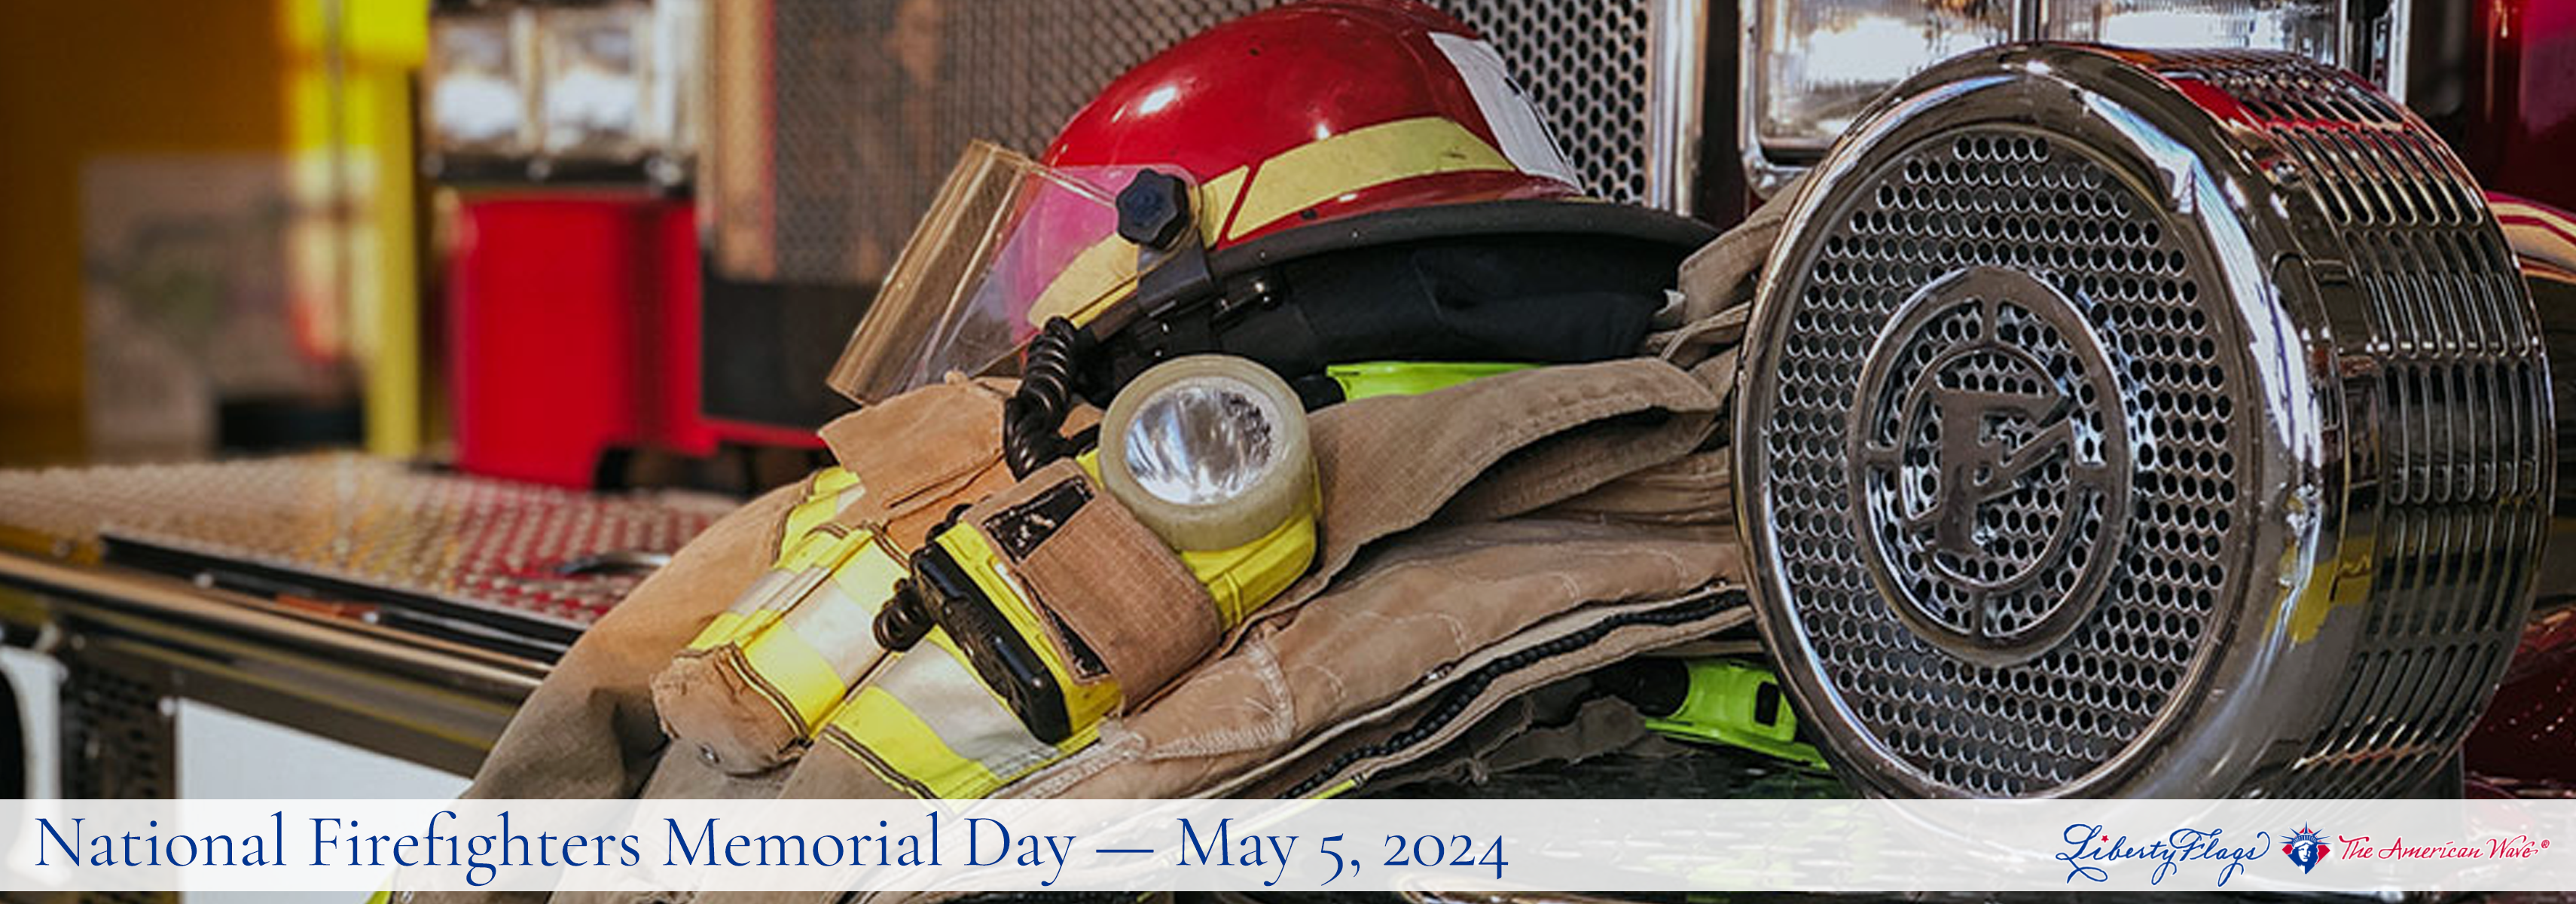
x: 349, y: 118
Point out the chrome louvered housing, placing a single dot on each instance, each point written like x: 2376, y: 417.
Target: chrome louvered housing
x: 2139, y: 423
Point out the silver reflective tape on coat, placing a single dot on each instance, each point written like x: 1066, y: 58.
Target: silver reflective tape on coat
x: 948, y: 696
x: 841, y: 627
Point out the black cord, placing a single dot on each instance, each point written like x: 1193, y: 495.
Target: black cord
x: 1033, y: 417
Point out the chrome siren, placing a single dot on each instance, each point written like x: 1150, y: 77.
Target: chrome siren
x: 2141, y: 423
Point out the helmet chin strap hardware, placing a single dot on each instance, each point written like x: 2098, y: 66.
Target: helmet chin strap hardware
x: 1154, y: 212
x: 1261, y: 291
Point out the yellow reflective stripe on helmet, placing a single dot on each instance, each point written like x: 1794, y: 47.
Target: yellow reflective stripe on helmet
x: 1217, y: 199
x: 1248, y: 198
x: 1100, y: 275
x: 1318, y: 171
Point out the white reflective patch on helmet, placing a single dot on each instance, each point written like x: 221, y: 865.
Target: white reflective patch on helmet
x: 1524, y: 137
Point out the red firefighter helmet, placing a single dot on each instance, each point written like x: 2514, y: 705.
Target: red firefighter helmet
x: 1320, y: 110
x: 1205, y: 190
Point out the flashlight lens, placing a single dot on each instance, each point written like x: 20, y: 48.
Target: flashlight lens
x: 1203, y: 440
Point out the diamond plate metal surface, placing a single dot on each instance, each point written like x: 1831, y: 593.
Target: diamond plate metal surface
x: 482, y: 545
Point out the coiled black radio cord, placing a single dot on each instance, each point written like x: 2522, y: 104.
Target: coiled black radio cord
x: 1033, y: 418
x: 1032, y: 436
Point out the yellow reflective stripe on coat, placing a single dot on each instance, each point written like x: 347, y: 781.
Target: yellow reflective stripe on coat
x: 842, y: 622
x: 830, y: 492
x: 730, y: 623
x: 804, y: 632
x: 805, y: 561
x: 806, y: 656
x: 793, y: 674
x: 926, y: 724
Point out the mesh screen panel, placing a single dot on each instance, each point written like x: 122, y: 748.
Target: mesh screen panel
x: 858, y: 107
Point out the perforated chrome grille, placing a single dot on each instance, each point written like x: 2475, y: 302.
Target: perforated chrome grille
x: 1585, y: 66
x: 2099, y: 421
x: 858, y: 107
x: 2006, y: 199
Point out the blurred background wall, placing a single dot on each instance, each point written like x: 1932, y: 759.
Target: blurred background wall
x: 207, y: 200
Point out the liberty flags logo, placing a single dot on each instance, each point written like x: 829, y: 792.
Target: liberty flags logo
x: 2305, y: 849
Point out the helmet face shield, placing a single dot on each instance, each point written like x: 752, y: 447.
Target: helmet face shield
x: 1007, y: 244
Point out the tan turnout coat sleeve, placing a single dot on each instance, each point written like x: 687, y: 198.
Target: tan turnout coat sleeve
x: 1461, y: 531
